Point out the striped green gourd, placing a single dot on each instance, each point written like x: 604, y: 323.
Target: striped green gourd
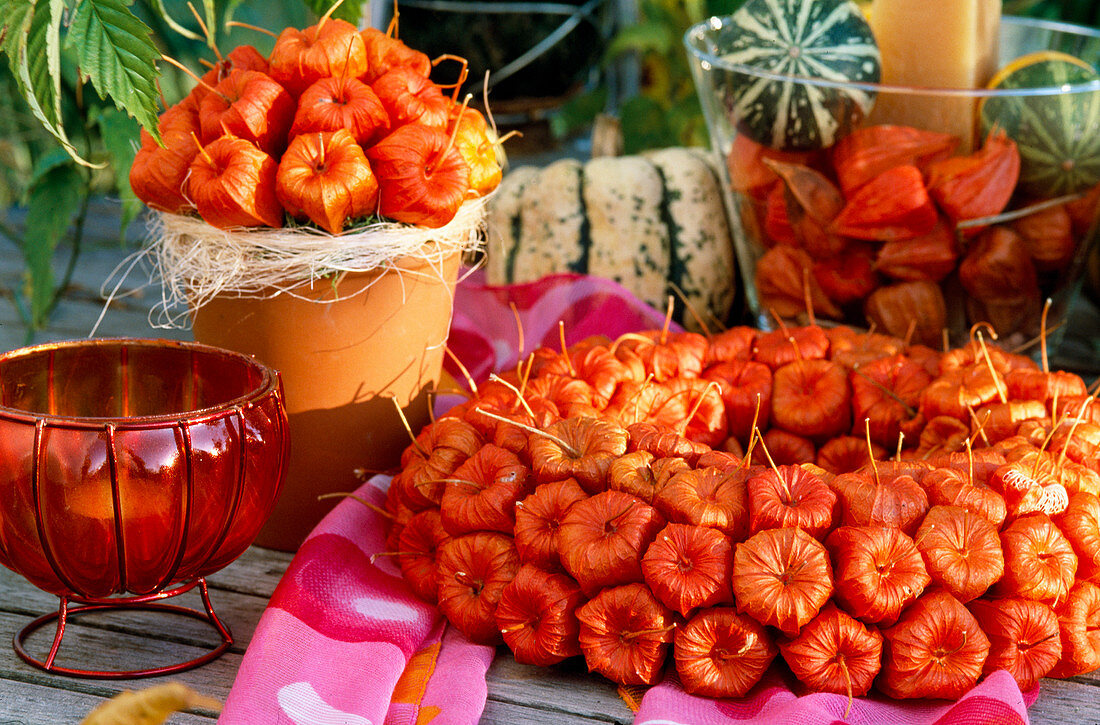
x: 793, y: 40
x: 1058, y: 135
x: 655, y: 223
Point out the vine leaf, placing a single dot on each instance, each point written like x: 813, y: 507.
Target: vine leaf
x: 53, y: 201
x: 115, y: 51
x: 31, y: 41
x: 118, y: 132
x: 350, y: 10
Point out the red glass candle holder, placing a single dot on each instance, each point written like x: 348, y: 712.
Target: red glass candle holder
x: 129, y: 471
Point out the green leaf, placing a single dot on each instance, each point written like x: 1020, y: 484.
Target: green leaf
x: 578, y: 112
x: 645, y: 126
x: 46, y: 163
x: 643, y: 38
x: 115, y: 50
x: 118, y: 132
x: 17, y: 19
x: 53, y: 202
x: 350, y: 10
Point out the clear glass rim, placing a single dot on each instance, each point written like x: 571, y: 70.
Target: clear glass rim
x: 694, y: 36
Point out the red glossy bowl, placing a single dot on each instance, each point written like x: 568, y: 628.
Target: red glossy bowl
x: 128, y: 466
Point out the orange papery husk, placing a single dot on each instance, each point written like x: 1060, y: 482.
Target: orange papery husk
x: 791, y: 496
x: 1079, y: 629
x: 1079, y: 441
x: 870, y: 499
x: 1023, y: 638
x: 935, y: 650
x: 538, y: 522
x: 736, y: 343
x: 447, y: 443
x: 537, y: 616
x: 788, y: 344
x: 385, y: 53
x: 961, y: 550
x: 917, y: 305
x: 777, y: 223
x: 473, y: 571
x: 845, y: 454
x: 865, y: 153
x: 332, y: 47
x: 746, y: 389
x: 720, y: 653
x: 601, y: 539
x: 1040, y: 562
x: 942, y: 434
x: 809, y: 225
x: 232, y: 184
x: 418, y: 552
x: 885, y: 395
x: 973, y: 355
x: 835, y: 653
x: 1041, y: 385
x: 893, y: 205
x: 243, y: 57
x: 854, y: 349
x: 669, y: 404
x: 422, y: 177
x: 878, y: 571
x: 1080, y: 523
x: 597, y: 366
x: 625, y: 633
x: 1073, y: 407
x: 785, y: 449
x: 409, y: 97
x: 894, y: 467
x: 325, y: 178
x: 978, y: 185
x: 782, y: 578
x: 782, y: 285
x: 481, y: 494
x: 997, y: 268
x: 341, y: 102
x: 473, y: 141
x: 709, y: 496
x: 996, y: 421
x: 747, y: 169
x: 930, y: 256
x: 1028, y: 489
x: 666, y: 355
x: 663, y: 442
x: 250, y: 105
x: 594, y: 444
x: 633, y: 473
x: 1048, y: 236
x: 925, y: 356
x: 847, y: 277
x: 812, y: 398
x: 568, y: 394
x: 159, y: 174
x: 954, y: 487
x: 688, y: 567
x: 955, y: 394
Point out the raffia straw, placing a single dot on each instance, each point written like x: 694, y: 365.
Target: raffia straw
x: 193, y: 262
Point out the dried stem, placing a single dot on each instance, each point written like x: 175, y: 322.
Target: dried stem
x: 246, y: 26
x: 462, y: 369
x: 870, y: 450
x: 534, y: 431
x: 373, y: 507
x: 408, y: 429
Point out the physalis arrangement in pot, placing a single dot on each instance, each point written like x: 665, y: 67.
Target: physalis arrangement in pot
x: 311, y: 208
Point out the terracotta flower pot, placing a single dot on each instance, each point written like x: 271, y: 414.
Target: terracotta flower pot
x: 346, y: 354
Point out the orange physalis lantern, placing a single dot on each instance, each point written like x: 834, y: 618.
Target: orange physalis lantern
x: 473, y: 571
x: 878, y: 573
x: 537, y: 616
x: 835, y: 653
x: 1079, y: 625
x: 250, y: 105
x: 332, y: 47
x: 625, y: 633
x: 782, y: 577
x: 720, y: 653
x: 418, y: 547
x: 707, y: 497
x: 233, y: 185
x: 324, y: 177
x: 602, y: 539
x: 688, y: 567
x: 791, y: 496
x: 538, y: 521
x: 340, y: 102
x: 1039, y: 560
x: 961, y: 551
x: 580, y: 448
x: 422, y: 177
x: 481, y: 494
x: 1023, y: 638
x: 935, y: 650
x: 811, y: 398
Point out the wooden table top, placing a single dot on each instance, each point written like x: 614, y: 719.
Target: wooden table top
x: 28, y: 696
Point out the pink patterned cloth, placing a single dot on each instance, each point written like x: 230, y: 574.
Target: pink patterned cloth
x: 344, y: 640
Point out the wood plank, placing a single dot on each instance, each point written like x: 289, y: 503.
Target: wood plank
x: 566, y: 688
x: 23, y: 703
x: 510, y: 713
x: 1066, y: 701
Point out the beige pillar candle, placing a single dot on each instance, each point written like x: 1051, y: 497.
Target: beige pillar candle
x: 935, y: 44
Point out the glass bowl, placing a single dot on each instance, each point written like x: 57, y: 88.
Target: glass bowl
x: 899, y: 286
x: 132, y: 469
